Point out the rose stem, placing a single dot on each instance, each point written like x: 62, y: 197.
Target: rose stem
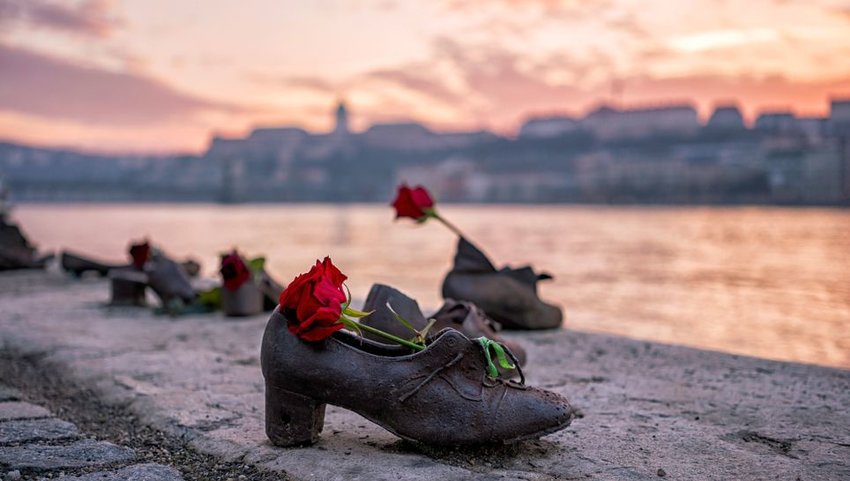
x: 389, y: 336
x: 449, y: 225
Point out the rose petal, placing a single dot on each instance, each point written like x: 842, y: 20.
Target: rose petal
x: 320, y: 334
x: 422, y: 198
x: 332, y: 272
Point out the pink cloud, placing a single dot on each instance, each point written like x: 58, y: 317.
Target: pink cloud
x: 90, y: 18
x: 44, y: 86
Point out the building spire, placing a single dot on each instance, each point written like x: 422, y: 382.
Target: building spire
x: 341, y: 118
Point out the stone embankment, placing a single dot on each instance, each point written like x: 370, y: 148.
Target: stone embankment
x: 649, y: 411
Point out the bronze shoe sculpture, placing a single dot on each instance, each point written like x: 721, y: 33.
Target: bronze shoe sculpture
x: 246, y: 300
x: 271, y: 290
x: 169, y: 281
x: 240, y: 295
x: 509, y: 295
x: 440, y: 396
x: 471, y: 320
x: 247, y: 288
x: 461, y: 315
x: 77, y: 265
x: 16, y: 251
x: 252, y: 298
x: 128, y: 287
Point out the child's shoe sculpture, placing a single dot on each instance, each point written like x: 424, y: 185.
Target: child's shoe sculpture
x: 461, y: 315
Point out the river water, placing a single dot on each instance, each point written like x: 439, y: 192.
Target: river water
x: 761, y: 281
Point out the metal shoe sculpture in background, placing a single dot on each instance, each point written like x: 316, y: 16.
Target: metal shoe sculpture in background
x: 507, y: 295
x: 16, y: 252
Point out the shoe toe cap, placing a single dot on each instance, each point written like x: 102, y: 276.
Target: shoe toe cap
x: 541, y: 413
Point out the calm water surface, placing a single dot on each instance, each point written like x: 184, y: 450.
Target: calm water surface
x: 769, y: 282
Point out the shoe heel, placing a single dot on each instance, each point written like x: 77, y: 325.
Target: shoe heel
x: 292, y: 419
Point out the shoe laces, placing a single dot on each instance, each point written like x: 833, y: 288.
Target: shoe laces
x: 501, y: 354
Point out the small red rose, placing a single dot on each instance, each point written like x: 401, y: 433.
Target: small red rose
x: 233, y: 271
x: 140, y: 253
x: 418, y: 204
x: 415, y: 203
x: 313, y: 302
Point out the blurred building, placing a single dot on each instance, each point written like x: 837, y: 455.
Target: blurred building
x: 726, y: 118
x: 547, y: 127
x: 659, y: 154
x: 839, y: 119
x: 608, y: 123
x: 777, y: 122
x: 839, y: 112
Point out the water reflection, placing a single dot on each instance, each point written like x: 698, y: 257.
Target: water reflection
x: 767, y: 282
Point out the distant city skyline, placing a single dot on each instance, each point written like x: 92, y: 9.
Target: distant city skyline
x: 159, y: 76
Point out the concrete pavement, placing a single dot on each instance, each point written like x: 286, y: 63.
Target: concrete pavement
x: 649, y: 410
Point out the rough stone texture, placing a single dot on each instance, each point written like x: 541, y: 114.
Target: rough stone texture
x: 21, y: 410
x: 13, y: 475
x: 16, y: 432
x: 139, y: 472
x: 648, y: 408
x: 35, y: 457
x: 9, y: 394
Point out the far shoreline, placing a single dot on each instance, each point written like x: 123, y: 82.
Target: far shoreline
x: 78, y: 202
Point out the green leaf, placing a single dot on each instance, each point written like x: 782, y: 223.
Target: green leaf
x: 350, y: 311
x: 400, y: 319
x: 491, y: 368
x: 352, y: 325
x: 257, y: 264
x: 424, y: 332
x: 501, y: 357
x: 211, y: 297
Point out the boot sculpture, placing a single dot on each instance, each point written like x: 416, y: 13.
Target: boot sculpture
x: 247, y: 288
x: 507, y: 295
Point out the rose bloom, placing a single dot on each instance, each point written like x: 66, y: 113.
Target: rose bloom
x: 140, y: 253
x: 312, y: 303
x: 414, y: 203
x: 234, y: 271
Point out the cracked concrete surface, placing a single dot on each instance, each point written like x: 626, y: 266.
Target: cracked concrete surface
x: 648, y: 409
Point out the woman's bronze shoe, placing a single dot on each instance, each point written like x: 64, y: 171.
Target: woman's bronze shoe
x: 507, y: 295
x: 439, y: 396
x: 461, y: 315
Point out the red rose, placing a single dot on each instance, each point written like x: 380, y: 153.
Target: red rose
x: 234, y: 271
x: 140, y: 253
x: 415, y: 203
x: 313, y: 302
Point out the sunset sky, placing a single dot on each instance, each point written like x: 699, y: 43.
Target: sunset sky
x: 164, y: 75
